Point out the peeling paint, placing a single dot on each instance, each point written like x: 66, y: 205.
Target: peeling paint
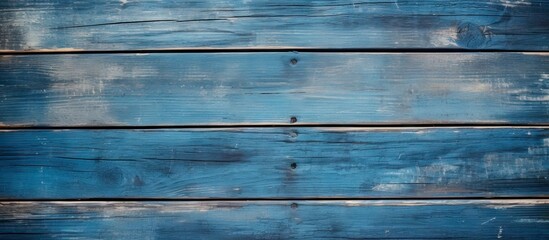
x: 529, y: 220
x: 390, y: 187
x: 514, y: 3
x: 444, y: 37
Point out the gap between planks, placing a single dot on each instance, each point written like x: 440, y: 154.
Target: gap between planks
x: 343, y: 127
x: 266, y: 50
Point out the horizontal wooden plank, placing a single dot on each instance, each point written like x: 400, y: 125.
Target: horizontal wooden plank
x: 270, y: 88
x: 274, y: 163
x: 123, y: 24
x: 484, y: 219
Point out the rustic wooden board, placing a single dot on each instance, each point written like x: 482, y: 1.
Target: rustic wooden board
x: 131, y: 24
x: 484, y: 219
x: 250, y: 88
x: 274, y: 163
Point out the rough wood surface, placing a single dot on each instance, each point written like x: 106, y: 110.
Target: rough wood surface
x: 249, y: 88
x: 274, y: 163
x: 485, y: 219
x: 159, y: 135
x: 138, y: 24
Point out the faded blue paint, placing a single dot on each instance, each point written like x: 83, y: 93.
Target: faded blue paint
x: 276, y: 220
x: 340, y: 88
x: 251, y: 163
x: 487, y: 24
x: 250, y: 88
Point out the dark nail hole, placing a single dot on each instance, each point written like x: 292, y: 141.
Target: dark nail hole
x: 293, y: 120
x: 293, y: 165
x: 294, y: 205
x: 293, y: 61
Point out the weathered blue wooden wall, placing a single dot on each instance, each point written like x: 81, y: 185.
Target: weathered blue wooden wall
x: 271, y: 120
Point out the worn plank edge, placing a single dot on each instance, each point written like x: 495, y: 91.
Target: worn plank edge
x: 342, y: 127
x: 499, y: 198
x: 350, y: 202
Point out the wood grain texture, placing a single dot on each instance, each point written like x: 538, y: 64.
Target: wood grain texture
x: 238, y: 183
x: 485, y: 219
x: 132, y: 24
x: 259, y: 163
x: 266, y: 88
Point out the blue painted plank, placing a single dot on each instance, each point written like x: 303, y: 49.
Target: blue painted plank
x: 457, y: 219
x: 129, y: 24
x: 267, y: 88
x: 274, y: 163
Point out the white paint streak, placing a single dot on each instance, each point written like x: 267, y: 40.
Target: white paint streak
x: 444, y: 37
x: 536, y: 53
x: 489, y: 220
x: 500, y: 232
x: 420, y: 132
x: 387, y: 187
x: 515, y: 3
x: 352, y: 203
x: 535, y: 99
x: 529, y: 220
x: 477, y: 87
